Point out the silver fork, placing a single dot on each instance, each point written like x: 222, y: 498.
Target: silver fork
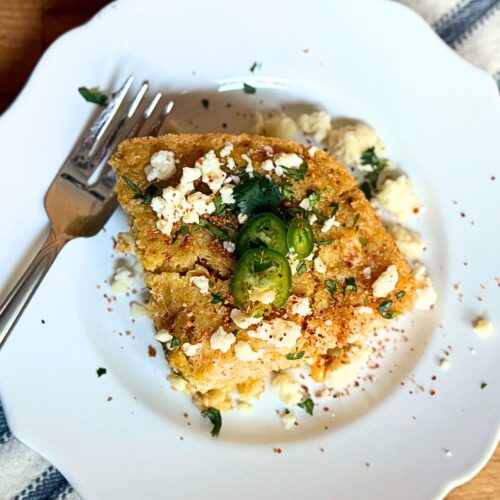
x: 80, y: 199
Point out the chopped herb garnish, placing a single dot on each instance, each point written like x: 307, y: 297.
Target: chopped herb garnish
x: 301, y: 267
x: 213, y: 414
x: 255, y: 66
x: 146, y: 196
x: 384, y: 310
x: 323, y: 243
x: 287, y: 191
x: 248, y: 89
x: 483, y: 385
x: 183, y: 231
x: 319, y: 215
x: 307, y: 405
x: 218, y: 233
x: 94, y: 96
x: 400, y: 294
x: 217, y: 299
x: 369, y: 185
x: 220, y: 207
x: 297, y: 174
x: 101, y: 372
x: 363, y: 241
x: 295, y: 355
x: 335, y: 207
x: 205, y: 103
x: 293, y: 211
x: 350, y: 285
x: 331, y: 286
x: 175, y: 342
x: 313, y: 198
x: 257, y: 194
x: 356, y: 220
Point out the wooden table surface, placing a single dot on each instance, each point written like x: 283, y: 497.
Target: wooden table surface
x: 27, y: 27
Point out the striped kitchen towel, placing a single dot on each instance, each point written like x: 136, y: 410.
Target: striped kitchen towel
x: 470, y: 27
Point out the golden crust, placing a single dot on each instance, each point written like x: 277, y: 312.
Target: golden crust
x: 179, y: 307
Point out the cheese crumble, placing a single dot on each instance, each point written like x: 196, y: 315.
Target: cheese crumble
x: 161, y: 166
x: 386, y: 282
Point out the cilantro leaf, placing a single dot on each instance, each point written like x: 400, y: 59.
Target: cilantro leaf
x: 93, y: 96
x: 218, y: 233
x: 307, y: 405
x: 213, y: 414
x: 257, y: 194
x: 249, y: 89
x: 301, y: 267
x: 400, y: 294
x: 350, y: 285
x: 369, y: 184
x: 323, y: 243
x: 362, y: 241
x: 220, y: 207
x: 217, y: 298
x: 255, y: 66
x: 331, y: 286
x: 287, y: 191
x: 175, y: 342
x: 297, y: 174
x: 384, y: 310
x: 296, y: 355
x: 149, y: 193
x: 313, y: 198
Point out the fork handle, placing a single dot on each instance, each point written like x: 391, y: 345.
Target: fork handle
x: 16, y: 301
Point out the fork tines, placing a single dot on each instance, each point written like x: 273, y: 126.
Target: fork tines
x: 123, y: 117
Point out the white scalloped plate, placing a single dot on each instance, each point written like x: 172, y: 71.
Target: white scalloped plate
x: 369, y: 59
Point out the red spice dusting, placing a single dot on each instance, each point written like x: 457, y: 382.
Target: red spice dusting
x: 368, y: 465
x: 432, y: 392
x: 492, y: 177
x: 109, y: 309
x: 277, y: 450
x: 109, y: 398
x: 185, y: 415
x: 181, y: 438
x: 322, y: 450
x: 306, y: 51
x: 43, y: 322
x: 462, y: 214
x: 433, y: 377
x: 416, y: 210
x: 151, y: 351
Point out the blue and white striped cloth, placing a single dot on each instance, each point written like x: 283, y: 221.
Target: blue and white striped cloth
x: 471, y: 27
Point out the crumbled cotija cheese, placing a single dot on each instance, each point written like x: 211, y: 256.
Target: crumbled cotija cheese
x: 212, y: 174
x: 242, y: 218
x: 278, y: 126
x: 312, y: 151
x: 319, y: 265
x: 386, y: 282
x: 343, y: 374
x: 122, y: 280
x: 397, y: 197
x: 189, y: 175
x: 329, y: 224
x: 301, y: 306
x: 426, y: 296
x: 163, y: 336
x: 348, y: 143
x: 226, y: 194
x: 177, y: 382
x: 226, y: 150
x: 202, y: 282
x: 191, y: 349
x: 407, y: 241
x: 243, y: 321
x: 229, y: 246
x: 483, y: 327
x: 287, y: 389
x: 278, y: 332
x: 222, y: 340
x: 317, y: 124
x: 288, y: 420
x: 288, y: 160
x: 267, y: 165
x: 161, y: 166
x: 137, y: 310
x: 170, y: 208
x: 197, y: 204
x: 244, y: 352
